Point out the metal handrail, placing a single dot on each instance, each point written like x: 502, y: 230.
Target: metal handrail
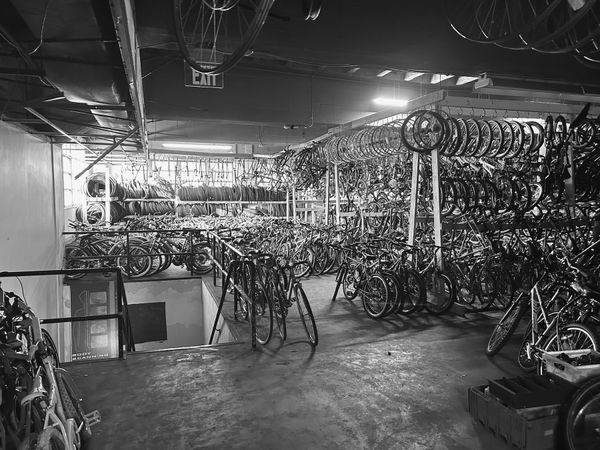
x: 125, y: 334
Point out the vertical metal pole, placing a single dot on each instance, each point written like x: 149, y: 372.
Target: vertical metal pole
x: 570, y: 183
x: 437, y: 207
x: 121, y: 319
x: 287, y: 204
x: 107, y: 196
x: 128, y: 255
x: 327, y: 196
x: 294, y: 201
x: 336, y: 176
x: 414, y: 196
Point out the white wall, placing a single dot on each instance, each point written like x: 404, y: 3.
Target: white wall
x: 183, y: 309
x: 31, y: 216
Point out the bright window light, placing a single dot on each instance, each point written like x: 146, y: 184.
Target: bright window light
x: 193, y: 146
x: 383, y: 73
x: 439, y: 77
x: 464, y: 80
x: 412, y: 75
x: 387, y: 101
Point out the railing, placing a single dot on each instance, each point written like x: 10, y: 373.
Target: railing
x: 229, y: 262
x: 125, y: 335
x: 105, y: 258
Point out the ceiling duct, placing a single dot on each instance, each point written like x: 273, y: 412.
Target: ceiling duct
x: 78, y: 53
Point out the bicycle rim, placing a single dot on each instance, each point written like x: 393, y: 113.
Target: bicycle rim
x: 306, y: 315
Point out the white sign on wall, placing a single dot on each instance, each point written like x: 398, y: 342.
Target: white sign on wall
x: 193, y: 78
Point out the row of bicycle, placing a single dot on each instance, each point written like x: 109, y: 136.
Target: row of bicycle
x: 41, y: 405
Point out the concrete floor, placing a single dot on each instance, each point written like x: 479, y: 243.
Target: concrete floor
x: 398, y: 384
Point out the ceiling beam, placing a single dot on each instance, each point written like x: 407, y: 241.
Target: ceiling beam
x: 106, y: 152
x: 57, y: 128
x: 124, y: 21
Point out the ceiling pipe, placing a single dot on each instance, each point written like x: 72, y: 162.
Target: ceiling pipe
x: 124, y: 21
x: 21, y: 72
x: 106, y: 152
x: 57, y: 128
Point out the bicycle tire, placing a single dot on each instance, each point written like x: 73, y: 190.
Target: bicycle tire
x: 279, y: 307
x: 51, y: 347
x: 573, y: 423
x: 72, y: 405
x: 447, y: 293
x: 50, y: 439
x: 414, y: 290
x: 572, y: 327
x: 306, y: 315
x: 350, y: 281
x: 263, y: 316
x: 254, y: 27
x: 506, y: 327
x: 375, y: 296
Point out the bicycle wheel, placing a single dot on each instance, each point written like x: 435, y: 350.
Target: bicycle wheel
x: 71, y: 253
x: 413, y: 286
x: 350, y: 281
x: 580, y: 424
x: 72, y: 404
x: 51, y: 347
x: 574, y: 336
x: 441, y: 292
x: 263, y: 316
x: 214, y: 35
x: 527, y: 363
x: 279, y: 308
x: 396, y: 294
x: 506, y: 327
x: 50, y: 439
x: 375, y: 296
x: 306, y: 315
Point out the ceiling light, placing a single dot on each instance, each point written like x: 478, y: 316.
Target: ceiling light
x: 262, y: 155
x: 193, y: 146
x: 388, y: 101
x: 439, y: 77
x: 383, y: 73
x: 354, y: 69
x: 464, y: 80
x: 412, y: 75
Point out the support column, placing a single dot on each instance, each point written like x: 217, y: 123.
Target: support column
x: 294, y: 202
x: 336, y: 176
x: 414, y: 192
x: 437, y: 207
x: 327, y: 196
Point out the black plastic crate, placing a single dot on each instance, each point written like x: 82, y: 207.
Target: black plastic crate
x: 531, y: 391
x: 526, y: 429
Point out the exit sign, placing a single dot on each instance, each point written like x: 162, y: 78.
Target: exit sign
x: 193, y: 78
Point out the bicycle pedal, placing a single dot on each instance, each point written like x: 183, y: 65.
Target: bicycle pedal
x: 92, y: 418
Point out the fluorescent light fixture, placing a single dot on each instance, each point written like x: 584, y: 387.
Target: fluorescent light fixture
x: 193, y: 146
x: 262, y: 155
x: 412, y: 75
x: 464, y: 80
x: 383, y: 73
x: 387, y: 101
x: 439, y: 77
x: 354, y: 69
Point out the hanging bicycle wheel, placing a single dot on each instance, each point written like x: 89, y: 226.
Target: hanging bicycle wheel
x: 214, y: 35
